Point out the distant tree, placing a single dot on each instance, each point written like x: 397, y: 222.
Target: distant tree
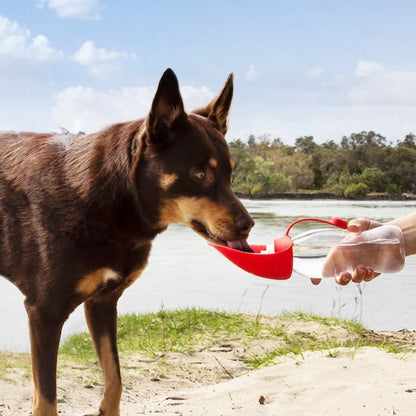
x: 277, y: 143
x: 330, y: 145
x: 318, y: 178
x: 363, y: 139
x: 305, y: 144
x: 295, y: 167
x: 409, y: 141
x: 251, y: 141
x: 255, y: 176
x: 375, y: 179
x: 237, y: 144
x: 265, y: 166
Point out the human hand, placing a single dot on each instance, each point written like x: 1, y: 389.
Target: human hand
x: 341, y: 258
x: 361, y: 272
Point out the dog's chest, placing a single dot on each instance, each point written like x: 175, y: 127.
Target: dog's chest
x: 105, y: 280
x: 110, y: 267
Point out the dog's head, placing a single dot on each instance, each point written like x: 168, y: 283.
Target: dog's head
x: 187, y: 159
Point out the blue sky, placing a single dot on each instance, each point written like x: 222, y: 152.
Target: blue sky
x: 301, y: 67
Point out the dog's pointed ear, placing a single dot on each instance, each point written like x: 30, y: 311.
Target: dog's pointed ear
x: 217, y: 110
x: 167, y: 107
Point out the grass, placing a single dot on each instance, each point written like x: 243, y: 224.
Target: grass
x: 350, y: 325
x: 263, y: 339
x: 12, y: 364
x: 184, y: 331
x: 191, y: 330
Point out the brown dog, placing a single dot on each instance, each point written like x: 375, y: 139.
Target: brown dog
x: 78, y: 215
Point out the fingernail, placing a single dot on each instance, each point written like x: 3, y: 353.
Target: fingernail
x: 360, y: 270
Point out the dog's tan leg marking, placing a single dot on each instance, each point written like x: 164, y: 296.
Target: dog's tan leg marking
x: 101, y: 314
x: 90, y: 283
x: 167, y: 180
x: 110, y: 403
x: 41, y: 407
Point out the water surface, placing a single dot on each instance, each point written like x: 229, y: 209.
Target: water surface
x: 184, y: 271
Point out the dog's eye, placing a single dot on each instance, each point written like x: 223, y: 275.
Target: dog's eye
x: 200, y: 175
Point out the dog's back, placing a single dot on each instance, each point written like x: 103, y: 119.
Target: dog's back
x: 59, y: 195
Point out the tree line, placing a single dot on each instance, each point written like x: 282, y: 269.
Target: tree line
x: 361, y: 164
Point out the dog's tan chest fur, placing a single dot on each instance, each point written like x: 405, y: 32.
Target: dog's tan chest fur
x: 91, y: 282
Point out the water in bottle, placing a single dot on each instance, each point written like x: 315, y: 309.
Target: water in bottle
x: 327, y: 252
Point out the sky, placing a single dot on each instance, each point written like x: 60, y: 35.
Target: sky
x: 321, y: 68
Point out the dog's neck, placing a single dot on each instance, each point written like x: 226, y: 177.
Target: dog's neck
x: 109, y: 195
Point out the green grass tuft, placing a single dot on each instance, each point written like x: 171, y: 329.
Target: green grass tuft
x: 191, y: 330
x: 184, y: 331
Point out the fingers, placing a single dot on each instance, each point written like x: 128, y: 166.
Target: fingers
x: 360, y: 274
x: 343, y: 278
x: 358, y: 225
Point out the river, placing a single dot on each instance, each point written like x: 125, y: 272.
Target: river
x: 184, y: 271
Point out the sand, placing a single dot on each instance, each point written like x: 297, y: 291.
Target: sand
x: 367, y: 381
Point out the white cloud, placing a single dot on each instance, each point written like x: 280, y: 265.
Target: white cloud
x: 315, y: 72
x: 369, y: 84
x: 251, y: 73
x: 18, y: 43
x: 367, y: 68
x: 195, y: 97
x: 101, y: 62
x: 89, y: 109
x: 375, y: 85
x: 80, y: 9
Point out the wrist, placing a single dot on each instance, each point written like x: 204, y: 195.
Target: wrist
x: 408, y: 226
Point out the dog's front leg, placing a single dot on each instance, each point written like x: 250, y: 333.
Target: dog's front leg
x: 101, y: 317
x: 45, y: 332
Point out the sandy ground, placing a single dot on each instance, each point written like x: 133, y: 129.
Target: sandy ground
x: 366, y: 381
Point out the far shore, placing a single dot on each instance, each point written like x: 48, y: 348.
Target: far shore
x: 329, y: 195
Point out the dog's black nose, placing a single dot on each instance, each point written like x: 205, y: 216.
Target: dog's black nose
x: 244, y: 223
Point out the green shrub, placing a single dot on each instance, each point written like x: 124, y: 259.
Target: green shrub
x: 257, y: 189
x: 356, y: 190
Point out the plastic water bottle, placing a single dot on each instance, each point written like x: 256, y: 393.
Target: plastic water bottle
x: 327, y: 252
x: 324, y: 252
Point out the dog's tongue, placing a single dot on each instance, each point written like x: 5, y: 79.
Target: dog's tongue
x: 240, y: 245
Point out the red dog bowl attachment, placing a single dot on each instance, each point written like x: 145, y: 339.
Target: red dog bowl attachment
x: 277, y: 265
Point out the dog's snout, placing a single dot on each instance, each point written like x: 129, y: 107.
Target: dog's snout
x: 244, y: 223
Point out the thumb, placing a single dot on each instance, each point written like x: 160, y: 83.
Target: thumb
x: 358, y: 225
